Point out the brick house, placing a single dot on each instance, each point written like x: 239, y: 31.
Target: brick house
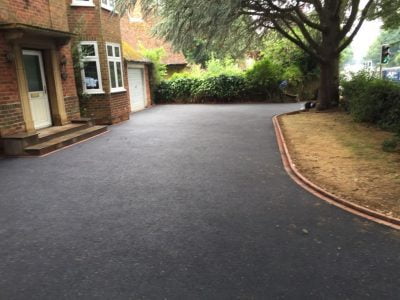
x: 38, y: 42
x: 39, y: 103
x: 61, y: 60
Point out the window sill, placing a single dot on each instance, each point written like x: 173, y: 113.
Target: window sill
x: 119, y: 90
x: 83, y: 4
x: 89, y: 92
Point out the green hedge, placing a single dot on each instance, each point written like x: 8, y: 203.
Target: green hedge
x: 260, y: 83
x: 213, y: 89
x: 374, y: 100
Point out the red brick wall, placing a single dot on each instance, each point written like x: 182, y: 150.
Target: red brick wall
x: 50, y: 14
x: 98, y: 24
x: 69, y: 85
x: 11, y: 118
x: 42, y: 13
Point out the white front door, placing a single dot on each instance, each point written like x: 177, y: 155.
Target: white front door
x: 137, y: 91
x: 37, y: 91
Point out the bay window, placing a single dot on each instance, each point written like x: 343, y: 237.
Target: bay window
x: 115, y: 67
x: 90, y: 68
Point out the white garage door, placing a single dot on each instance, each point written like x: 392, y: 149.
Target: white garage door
x: 136, y: 88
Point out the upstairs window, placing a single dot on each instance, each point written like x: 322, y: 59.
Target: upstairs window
x: 82, y: 3
x: 108, y: 4
x: 115, y: 67
x: 90, y: 68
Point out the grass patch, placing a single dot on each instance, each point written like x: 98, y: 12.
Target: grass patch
x: 346, y: 158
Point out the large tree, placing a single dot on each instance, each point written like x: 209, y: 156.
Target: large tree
x: 322, y: 28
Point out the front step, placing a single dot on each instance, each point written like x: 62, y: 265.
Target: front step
x: 64, y: 140
x: 50, y: 133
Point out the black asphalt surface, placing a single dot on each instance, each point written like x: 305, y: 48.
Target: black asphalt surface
x: 183, y: 202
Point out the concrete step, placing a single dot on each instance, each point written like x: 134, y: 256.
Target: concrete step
x: 65, y: 140
x: 58, y: 131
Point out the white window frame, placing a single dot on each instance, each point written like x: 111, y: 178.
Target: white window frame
x: 95, y: 58
x: 110, y: 5
x: 88, y: 3
x: 114, y: 60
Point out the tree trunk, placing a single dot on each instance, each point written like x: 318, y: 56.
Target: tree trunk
x: 329, y: 67
x: 329, y: 84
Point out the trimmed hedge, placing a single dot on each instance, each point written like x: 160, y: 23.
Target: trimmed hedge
x: 260, y: 83
x: 374, y: 100
x: 222, y: 88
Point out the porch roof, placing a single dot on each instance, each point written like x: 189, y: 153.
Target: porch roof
x: 63, y: 36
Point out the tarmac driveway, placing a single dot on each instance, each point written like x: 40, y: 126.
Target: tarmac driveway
x: 183, y: 202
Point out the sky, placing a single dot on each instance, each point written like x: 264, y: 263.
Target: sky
x: 365, y: 37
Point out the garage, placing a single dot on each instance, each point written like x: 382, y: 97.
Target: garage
x: 137, y: 87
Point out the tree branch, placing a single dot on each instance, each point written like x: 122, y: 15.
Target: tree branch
x: 352, y: 18
x: 308, y: 22
x: 355, y: 31
x: 305, y: 33
x: 296, y: 41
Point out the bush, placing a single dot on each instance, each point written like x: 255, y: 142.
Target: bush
x: 197, y: 90
x: 223, y: 81
x: 264, y: 77
x: 374, y: 100
x: 222, y: 88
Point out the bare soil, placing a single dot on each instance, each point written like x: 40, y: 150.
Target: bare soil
x: 345, y: 158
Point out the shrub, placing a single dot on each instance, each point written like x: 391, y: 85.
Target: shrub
x: 221, y: 88
x: 264, y: 76
x: 374, y: 100
x: 159, y: 70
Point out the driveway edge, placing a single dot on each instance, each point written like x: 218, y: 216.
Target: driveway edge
x: 316, y: 190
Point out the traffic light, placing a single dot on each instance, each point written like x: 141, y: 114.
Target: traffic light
x: 385, y: 54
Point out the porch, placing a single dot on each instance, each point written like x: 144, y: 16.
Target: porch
x: 50, y: 139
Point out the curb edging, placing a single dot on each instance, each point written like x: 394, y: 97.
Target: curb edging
x: 323, y: 194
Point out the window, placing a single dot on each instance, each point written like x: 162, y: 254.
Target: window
x: 107, y: 4
x: 115, y: 67
x: 91, y: 76
x: 82, y: 3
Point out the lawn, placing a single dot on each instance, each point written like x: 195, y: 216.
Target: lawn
x: 345, y: 158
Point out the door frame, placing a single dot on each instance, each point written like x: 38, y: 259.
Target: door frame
x: 51, y: 59
x: 39, y: 54
x: 142, y: 67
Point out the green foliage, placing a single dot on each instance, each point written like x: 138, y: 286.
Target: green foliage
x: 196, y: 54
x: 265, y: 75
x: 293, y: 64
x: 223, y: 81
x: 214, y: 67
x: 298, y: 65
x: 346, y: 57
x: 388, y: 11
x: 155, y: 55
x: 374, y: 100
x: 222, y: 88
x: 197, y: 90
x: 227, y: 66
x: 386, y: 37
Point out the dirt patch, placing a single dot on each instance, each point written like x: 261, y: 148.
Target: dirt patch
x: 345, y: 158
